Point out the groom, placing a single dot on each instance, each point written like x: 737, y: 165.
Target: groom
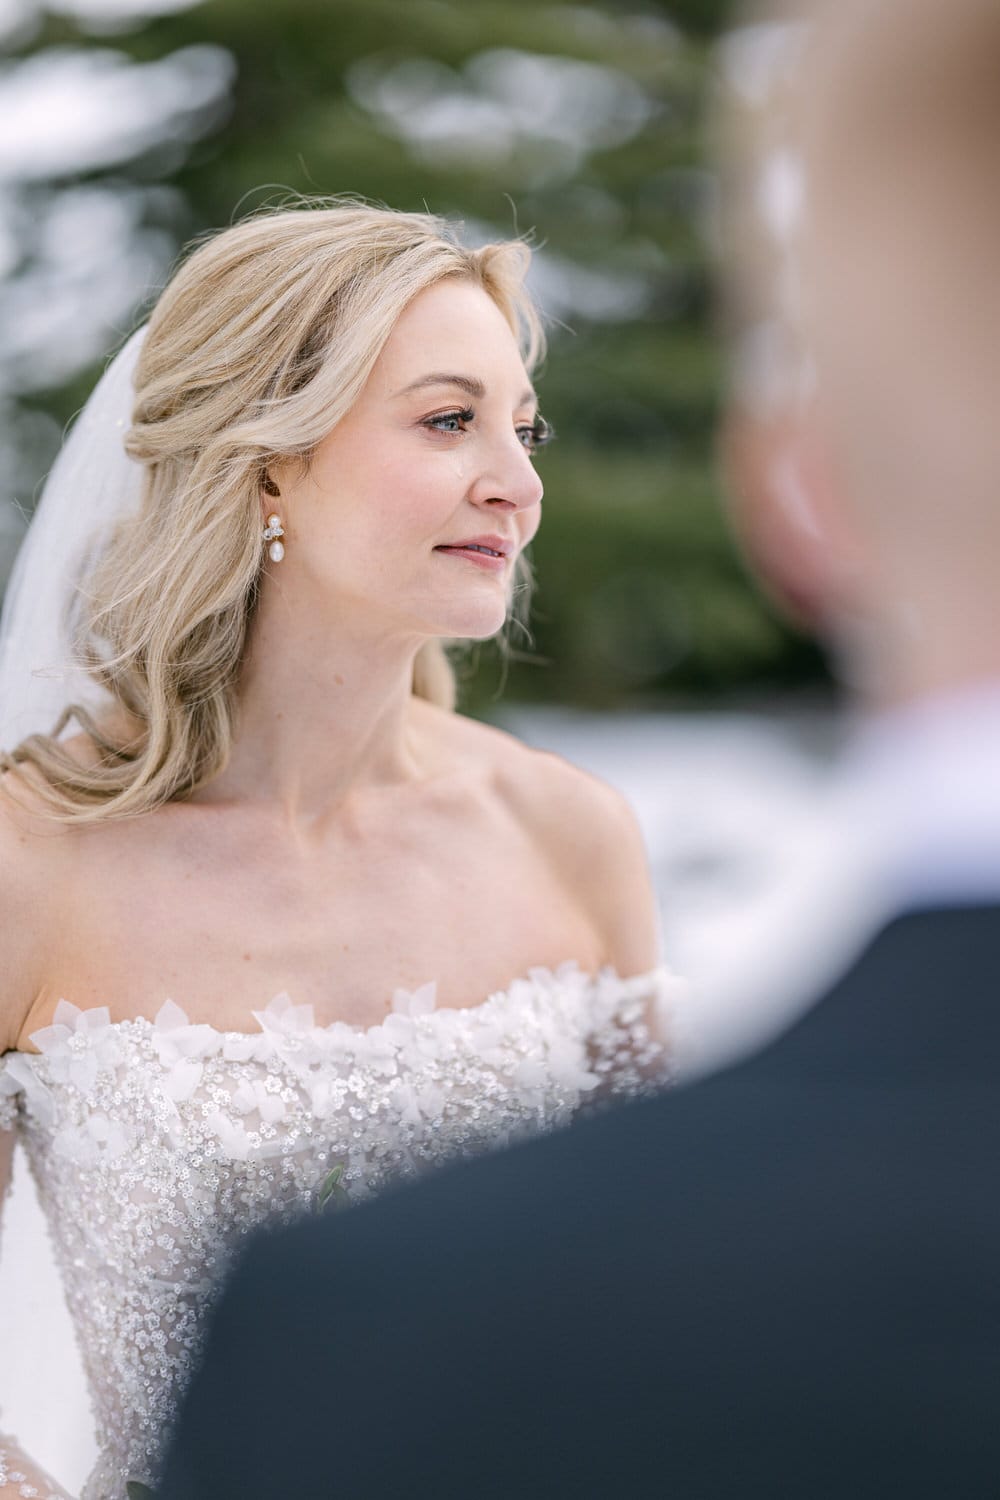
x: 783, y: 1281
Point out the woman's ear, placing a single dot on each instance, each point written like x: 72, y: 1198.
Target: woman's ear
x: 787, y: 513
x: 269, y: 495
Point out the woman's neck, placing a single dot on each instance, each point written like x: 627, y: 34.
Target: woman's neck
x: 325, y: 714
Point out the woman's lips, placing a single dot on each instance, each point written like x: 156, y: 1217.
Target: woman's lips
x: 485, y: 560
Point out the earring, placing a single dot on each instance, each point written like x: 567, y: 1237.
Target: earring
x: 274, y: 529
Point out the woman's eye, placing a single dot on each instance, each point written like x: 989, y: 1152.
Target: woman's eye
x: 450, y: 421
x: 537, y: 435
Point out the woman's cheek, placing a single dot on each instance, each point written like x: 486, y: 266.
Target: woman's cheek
x: 531, y: 522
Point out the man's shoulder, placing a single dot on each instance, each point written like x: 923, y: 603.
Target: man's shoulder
x: 767, y: 1244
x: 830, y: 1108
x: 921, y: 989
x: 608, y: 1184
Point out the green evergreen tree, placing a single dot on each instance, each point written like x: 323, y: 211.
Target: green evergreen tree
x: 582, y: 125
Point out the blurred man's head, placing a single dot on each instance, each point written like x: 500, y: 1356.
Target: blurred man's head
x: 868, y: 491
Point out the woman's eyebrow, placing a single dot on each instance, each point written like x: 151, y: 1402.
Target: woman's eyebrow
x: 467, y: 383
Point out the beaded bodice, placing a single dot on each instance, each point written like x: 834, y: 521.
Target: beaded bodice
x: 157, y: 1145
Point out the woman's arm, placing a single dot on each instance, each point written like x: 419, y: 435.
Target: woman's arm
x: 20, y: 1477
x: 630, y: 1035
x: 618, y: 886
x: 595, y: 837
x: 595, y: 842
x: 21, y: 902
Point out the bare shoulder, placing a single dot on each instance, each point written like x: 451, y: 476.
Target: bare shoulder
x: 593, y: 838
x: 30, y: 839
x: 21, y: 885
x: 576, y: 812
x: 591, y: 831
x: 32, y: 857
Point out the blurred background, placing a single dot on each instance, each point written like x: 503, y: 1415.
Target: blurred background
x: 127, y: 127
x: 130, y: 126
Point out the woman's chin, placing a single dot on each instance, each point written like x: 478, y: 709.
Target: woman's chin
x: 478, y: 624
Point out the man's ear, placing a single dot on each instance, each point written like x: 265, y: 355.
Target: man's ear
x: 784, y: 506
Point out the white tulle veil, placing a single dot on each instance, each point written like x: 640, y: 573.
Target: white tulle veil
x: 92, y: 485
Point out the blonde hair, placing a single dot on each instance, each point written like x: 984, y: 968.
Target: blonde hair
x: 259, y: 345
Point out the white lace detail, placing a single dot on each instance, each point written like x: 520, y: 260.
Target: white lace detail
x: 158, y: 1145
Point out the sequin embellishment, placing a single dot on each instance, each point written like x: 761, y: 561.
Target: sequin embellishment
x: 157, y: 1145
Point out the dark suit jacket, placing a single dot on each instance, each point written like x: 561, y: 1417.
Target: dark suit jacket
x: 781, y: 1282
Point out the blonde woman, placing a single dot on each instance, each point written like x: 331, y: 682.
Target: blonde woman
x: 280, y: 925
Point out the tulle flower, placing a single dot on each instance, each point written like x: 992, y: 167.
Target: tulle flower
x: 79, y: 1045
x: 181, y: 1048
x: 97, y: 1140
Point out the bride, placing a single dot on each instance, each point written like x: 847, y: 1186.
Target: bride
x: 280, y: 925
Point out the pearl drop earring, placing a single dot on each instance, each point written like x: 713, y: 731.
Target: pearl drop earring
x: 274, y: 529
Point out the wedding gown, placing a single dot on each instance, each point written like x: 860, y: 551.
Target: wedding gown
x: 157, y: 1146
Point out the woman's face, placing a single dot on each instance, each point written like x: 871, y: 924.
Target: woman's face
x: 436, y: 451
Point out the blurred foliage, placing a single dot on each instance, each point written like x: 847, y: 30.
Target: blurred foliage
x: 640, y: 593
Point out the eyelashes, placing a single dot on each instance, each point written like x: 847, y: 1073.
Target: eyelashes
x: 532, y: 435
x: 450, y: 421
x: 539, y: 433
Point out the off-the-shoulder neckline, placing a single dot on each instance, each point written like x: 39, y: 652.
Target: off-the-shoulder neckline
x: 422, y: 1001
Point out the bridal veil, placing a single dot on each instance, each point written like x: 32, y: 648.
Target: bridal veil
x: 92, y: 485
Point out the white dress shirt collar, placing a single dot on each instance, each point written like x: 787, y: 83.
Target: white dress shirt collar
x: 912, y: 820
x: 923, y: 783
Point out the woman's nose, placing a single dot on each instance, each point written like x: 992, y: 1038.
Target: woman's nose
x: 513, y: 485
